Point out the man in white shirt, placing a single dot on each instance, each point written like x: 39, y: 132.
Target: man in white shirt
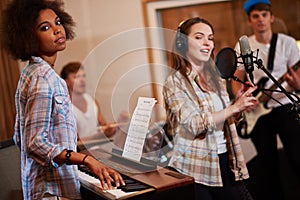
x: 279, y: 120
x: 86, y: 109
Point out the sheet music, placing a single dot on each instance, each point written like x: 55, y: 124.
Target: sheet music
x: 138, y: 128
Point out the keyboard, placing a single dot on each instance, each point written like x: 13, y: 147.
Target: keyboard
x: 132, y: 187
x: 159, y: 184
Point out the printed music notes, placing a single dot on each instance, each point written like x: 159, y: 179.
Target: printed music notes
x: 138, y: 128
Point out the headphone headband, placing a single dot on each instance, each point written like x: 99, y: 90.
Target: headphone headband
x: 181, y: 23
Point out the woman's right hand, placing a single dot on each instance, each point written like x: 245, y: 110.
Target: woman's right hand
x: 245, y: 100
x: 105, y: 174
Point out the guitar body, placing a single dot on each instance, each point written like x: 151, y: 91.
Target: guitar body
x: 245, y: 127
x: 252, y: 116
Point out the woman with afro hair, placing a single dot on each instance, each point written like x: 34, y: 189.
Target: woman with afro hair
x: 45, y: 127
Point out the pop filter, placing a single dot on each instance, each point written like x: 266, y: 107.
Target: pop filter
x: 226, y: 62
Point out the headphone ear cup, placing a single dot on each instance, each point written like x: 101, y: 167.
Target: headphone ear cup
x: 181, y: 42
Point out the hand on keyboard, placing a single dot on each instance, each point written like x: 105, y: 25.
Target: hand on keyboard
x: 107, y: 176
x: 131, y: 184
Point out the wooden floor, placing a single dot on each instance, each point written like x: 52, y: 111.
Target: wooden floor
x: 291, y: 186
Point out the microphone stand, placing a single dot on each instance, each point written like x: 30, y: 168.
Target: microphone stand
x: 240, y: 81
x: 296, y: 106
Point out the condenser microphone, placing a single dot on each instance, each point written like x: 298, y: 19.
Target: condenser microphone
x: 247, y: 55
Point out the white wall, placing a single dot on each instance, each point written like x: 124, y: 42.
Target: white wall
x: 111, y: 43
x: 96, y: 21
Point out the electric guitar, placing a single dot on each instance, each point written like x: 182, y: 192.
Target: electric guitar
x: 245, y: 127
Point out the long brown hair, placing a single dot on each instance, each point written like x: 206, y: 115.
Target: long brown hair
x: 178, y: 56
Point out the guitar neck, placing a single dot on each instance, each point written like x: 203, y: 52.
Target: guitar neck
x: 266, y: 96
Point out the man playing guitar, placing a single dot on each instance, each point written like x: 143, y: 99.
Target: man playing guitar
x: 278, y: 120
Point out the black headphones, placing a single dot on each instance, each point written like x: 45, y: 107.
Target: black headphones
x: 181, y: 42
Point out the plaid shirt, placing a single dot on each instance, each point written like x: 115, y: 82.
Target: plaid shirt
x: 190, y: 120
x: 44, y: 127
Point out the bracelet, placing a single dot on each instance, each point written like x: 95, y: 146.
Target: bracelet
x: 68, y: 155
x: 82, y: 162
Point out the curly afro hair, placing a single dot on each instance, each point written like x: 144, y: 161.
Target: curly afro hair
x: 19, y: 21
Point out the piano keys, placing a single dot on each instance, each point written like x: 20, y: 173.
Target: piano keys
x: 148, y: 183
x: 160, y: 185
x: 132, y: 188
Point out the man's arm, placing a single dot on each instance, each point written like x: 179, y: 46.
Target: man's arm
x: 108, y: 130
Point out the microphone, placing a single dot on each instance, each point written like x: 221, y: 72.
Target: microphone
x: 246, y: 54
